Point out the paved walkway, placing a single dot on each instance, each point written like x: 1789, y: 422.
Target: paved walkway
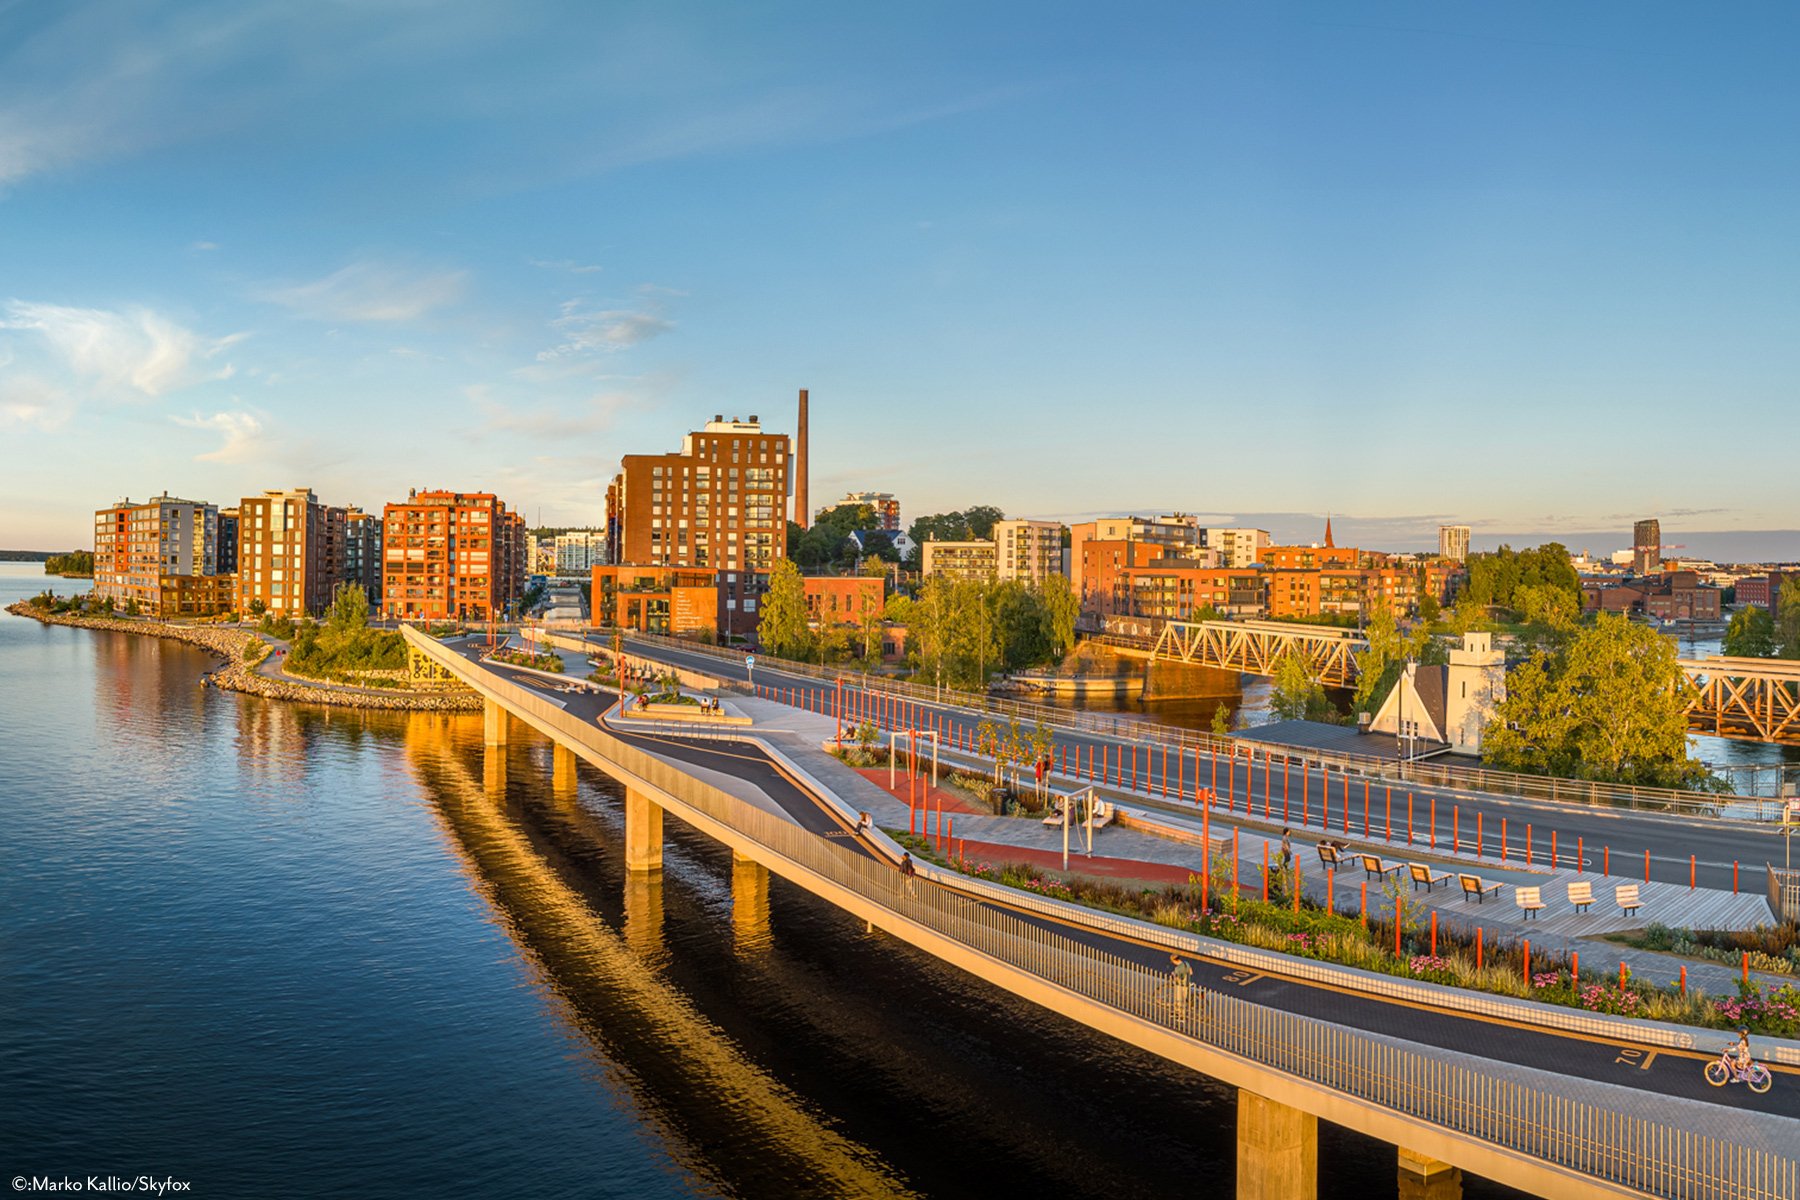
x: 1558, y: 929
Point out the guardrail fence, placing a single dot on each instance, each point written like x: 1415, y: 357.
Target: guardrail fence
x: 1417, y: 772
x: 1784, y: 894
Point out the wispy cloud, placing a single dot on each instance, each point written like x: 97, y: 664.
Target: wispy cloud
x: 603, y: 331
x: 587, y: 415
x: 565, y: 264
x: 203, y: 246
x: 136, y: 352
x: 370, y: 291
x: 242, y: 433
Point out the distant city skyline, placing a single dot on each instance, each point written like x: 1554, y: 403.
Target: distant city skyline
x: 1483, y: 264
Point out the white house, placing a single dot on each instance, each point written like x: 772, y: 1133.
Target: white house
x: 1448, y: 705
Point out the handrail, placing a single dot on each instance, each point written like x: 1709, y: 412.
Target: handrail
x: 1538, y: 1117
x: 1417, y: 772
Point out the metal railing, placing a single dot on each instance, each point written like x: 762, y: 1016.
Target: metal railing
x: 1784, y: 894
x: 1544, y: 1120
x: 1417, y: 772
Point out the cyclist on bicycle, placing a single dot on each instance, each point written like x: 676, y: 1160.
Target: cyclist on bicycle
x: 1181, y: 973
x: 1740, y: 1053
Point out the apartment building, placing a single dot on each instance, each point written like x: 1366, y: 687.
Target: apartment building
x: 225, y: 549
x: 290, y: 552
x: 1238, y: 549
x: 577, y: 553
x: 1028, y: 551
x: 361, y: 563
x: 162, y: 554
x: 887, y: 509
x: 1172, y: 590
x: 451, y: 556
x: 1176, y: 536
x: 719, y: 504
x: 959, y: 560
x: 1453, y: 542
x: 666, y: 600
x: 843, y: 599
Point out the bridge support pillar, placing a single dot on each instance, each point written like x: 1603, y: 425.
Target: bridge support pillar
x: 1277, y: 1150
x: 749, y: 902
x: 562, y: 770
x: 643, y: 833
x: 493, y: 724
x: 1423, y: 1178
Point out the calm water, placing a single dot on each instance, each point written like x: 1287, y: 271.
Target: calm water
x: 279, y: 951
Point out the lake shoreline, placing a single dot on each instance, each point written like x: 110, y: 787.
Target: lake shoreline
x: 237, y: 670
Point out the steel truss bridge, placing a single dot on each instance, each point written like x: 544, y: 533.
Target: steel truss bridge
x: 1755, y: 699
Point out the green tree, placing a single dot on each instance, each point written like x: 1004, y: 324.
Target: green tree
x: 258, y: 608
x: 781, y: 627
x: 1297, y: 696
x: 1609, y: 704
x: 1221, y: 719
x: 1787, y: 618
x: 982, y: 519
x: 1751, y: 633
x: 1378, y: 667
x: 349, y: 608
x: 1061, y: 608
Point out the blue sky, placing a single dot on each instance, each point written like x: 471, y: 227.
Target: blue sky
x: 1531, y: 267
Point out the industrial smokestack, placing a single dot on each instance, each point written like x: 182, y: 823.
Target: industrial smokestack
x: 802, y: 513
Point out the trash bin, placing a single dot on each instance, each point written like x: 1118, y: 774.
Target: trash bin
x: 1001, y: 798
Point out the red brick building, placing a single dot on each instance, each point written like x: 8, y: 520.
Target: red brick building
x: 843, y: 599
x: 719, y: 504
x: 451, y: 556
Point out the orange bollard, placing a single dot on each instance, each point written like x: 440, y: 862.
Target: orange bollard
x: 1621, y: 975
x: 1237, y: 889
x: 1480, y: 836
x: 1528, y: 843
x: 1575, y: 969
x: 1433, y: 823
x: 1456, y: 828
x: 1746, y: 966
x: 1296, y: 883
x: 1365, y: 808
x: 1580, y: 855
x: 1502, y: 839
x: 1434, y: 933
x: 1365, y: 904
x: 1693, y: 867
x: 1734, y: 876
x: 1684, y: 981
x: 1606, y: 860
x: 1528, y: 962
x: 1399, y: 908
x: 1409, y: 818
x: 1265, y: 870
x: 1478, y: 947
x: 1330, y: 890
x: 1553, y: 849
x: 1390, y: 813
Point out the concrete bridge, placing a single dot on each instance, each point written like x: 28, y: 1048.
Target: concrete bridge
x: 1754, y: 699
x: 1543, y: 1109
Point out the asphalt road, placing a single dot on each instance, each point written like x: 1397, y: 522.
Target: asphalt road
x: 1621, y: 835
x: 1653, y: 1070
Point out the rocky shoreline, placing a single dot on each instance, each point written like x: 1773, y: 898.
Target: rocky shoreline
x: 238, y: 673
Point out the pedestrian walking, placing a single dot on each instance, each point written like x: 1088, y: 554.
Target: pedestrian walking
x: 909, y: 877
x: 1286, y: 857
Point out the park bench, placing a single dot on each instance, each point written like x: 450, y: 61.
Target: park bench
x: 1581, y: 895
x: 1425, y: 875
x: 1627, y: 896
x: 1331, y: 854
x: 1374, y: 868
x: 1474, y: 885
x: 1530, y: 900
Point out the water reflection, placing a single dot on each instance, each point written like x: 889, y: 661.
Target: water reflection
x: 709, y: 1102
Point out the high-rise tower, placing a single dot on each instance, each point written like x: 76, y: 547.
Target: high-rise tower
x: 802, y: 513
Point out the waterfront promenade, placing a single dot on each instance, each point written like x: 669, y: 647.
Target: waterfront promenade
x: 823, y: 821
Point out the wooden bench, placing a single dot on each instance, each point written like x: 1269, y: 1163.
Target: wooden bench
x: 1627, y: 896
x: 1474, y: 885
x: 1530, y: 900
x: 1331, y: 854
x: 1581, y: 895
x: 1374, y: 868
x: 1424, y: 874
